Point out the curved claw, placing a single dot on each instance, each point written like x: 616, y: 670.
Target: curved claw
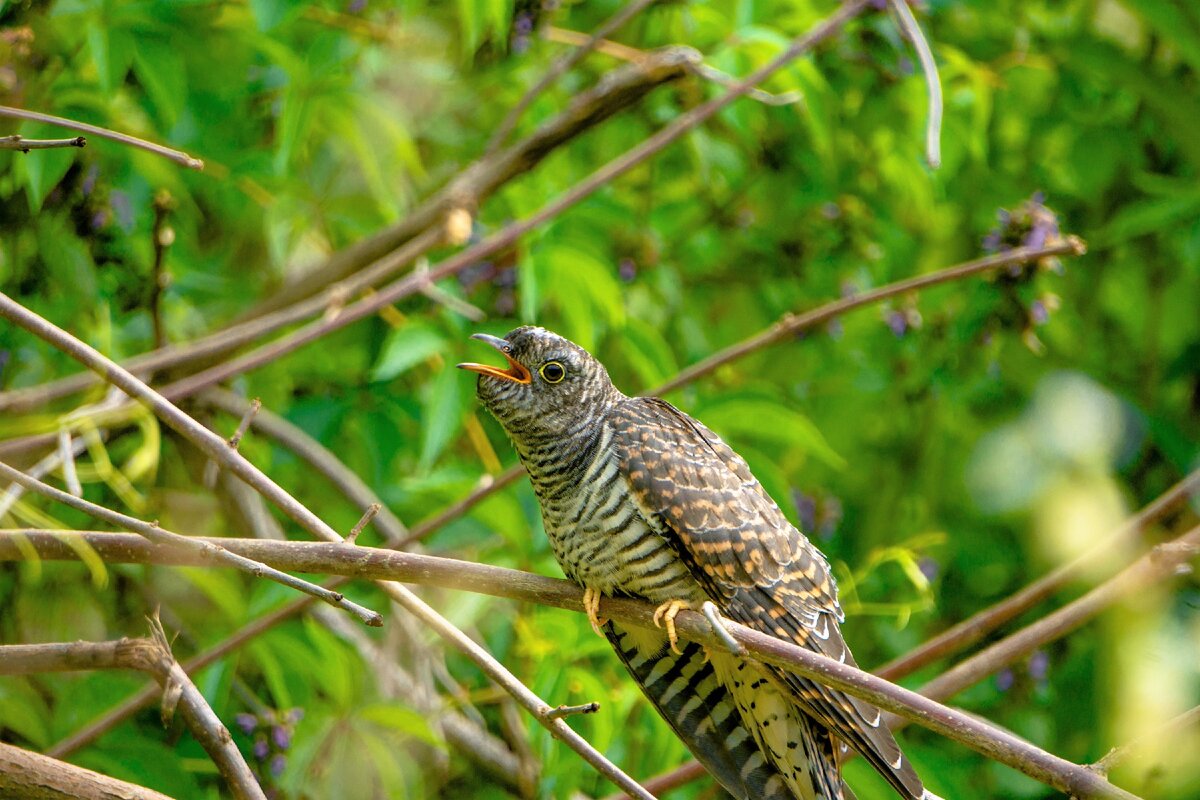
x: 591, y: 604
x: 664, y: 617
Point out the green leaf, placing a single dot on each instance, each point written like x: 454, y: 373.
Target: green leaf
x: 161, y: 70
x: 443, y: 413
x: 402, y: 720
x: 406, y: 347
x: 43, y: 168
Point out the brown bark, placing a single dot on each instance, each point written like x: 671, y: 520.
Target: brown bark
x: 33, y: 776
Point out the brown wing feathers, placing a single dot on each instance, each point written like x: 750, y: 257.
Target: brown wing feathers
x: 749, y: 558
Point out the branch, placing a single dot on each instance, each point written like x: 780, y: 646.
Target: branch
x: 1173, y: 726
x: 152, y: 655
x: 377, y: 257
x: 504, y: 238
x: 984, y: 622
x: 560, y: 67
x: 791, y: 324
x: 499, y: 582
x: 218, y: 449
x: 18, y: 142
x: 1149, y: 570
x: 310, y: 450
x: 33, y: 776
x: 213, y: 551
x: 104, y: 133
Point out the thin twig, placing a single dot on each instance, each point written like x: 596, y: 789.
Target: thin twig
x: 1172, y: 727
x: 317, y: 455
x: 933, y: 83
x: 367, y: 516
x: 561, y: 66
x: 244, y: 425
x: 212, y: 552
x: 211, y: 469
x: 17, y: 142
x: 567, y: 711
x: 104, y: 133
x: 500, y: 582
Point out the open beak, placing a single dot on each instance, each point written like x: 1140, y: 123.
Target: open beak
x: 515, y: 372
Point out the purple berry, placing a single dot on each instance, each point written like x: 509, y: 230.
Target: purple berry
x: 1005, y: 679
x: 247, y: 722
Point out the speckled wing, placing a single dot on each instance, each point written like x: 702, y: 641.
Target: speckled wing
x: 751, y: 561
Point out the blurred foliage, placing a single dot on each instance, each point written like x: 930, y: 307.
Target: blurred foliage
x: 943, y: 450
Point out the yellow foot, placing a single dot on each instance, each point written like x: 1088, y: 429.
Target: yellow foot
x: 664, y: 617
x: 591, y: 604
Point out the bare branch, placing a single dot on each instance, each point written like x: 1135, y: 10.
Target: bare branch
x: 567, y: 711
x: 1172, y: 727
x: 152, y: 655
x: 790, y: 324
x: 104, y: 133
x: 33, y: 776
x: 984, y: 622
x: 1154, y: 567
x: 451, y: 573
x: 365, y: 520
x: 561, y: 66
x: 17, y: 142
x: 933, y: 83
x: 211, y: 551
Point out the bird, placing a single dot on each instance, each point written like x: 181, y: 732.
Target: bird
x: 641, y: 500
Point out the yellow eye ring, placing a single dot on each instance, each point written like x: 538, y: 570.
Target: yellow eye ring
x: 552, y: 372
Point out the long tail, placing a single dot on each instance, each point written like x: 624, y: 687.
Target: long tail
x: 688, y: 695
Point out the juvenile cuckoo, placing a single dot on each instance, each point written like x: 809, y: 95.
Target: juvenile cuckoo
x: 641, y: 500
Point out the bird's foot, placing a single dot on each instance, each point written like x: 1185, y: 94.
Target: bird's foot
x: 664, y: 617
x: 591, y: 604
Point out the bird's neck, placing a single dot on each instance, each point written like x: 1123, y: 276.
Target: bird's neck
x: 558, y: 460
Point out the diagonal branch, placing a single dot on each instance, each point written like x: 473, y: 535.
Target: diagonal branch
x: 177, y: 156
x: 153, y: 656
x: 975, y: 628
x: 33, y: 776
x: 452, y: 573
x: 560, y: 67
x: 219, y: 451
x: 212, y: 550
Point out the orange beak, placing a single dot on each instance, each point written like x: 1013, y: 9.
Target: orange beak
x: 516, y: 372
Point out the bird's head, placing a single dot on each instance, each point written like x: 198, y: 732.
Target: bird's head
x: 548, y: 387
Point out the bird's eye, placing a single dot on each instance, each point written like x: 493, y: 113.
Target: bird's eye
x: 552, y: 372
